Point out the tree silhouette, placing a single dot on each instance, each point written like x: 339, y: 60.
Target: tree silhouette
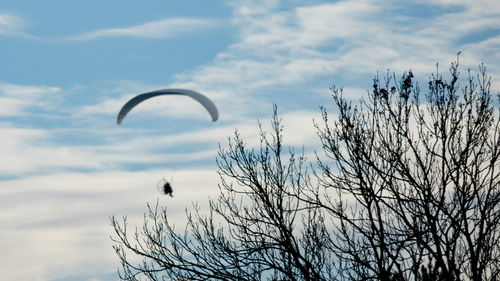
x: 406, y: 188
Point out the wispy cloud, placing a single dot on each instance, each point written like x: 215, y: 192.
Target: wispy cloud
x: 10, y: 24
x: 280, y: 46
x: 16, y: 100
x: 26, y: 92
x: 13, y: 25
x: 155, y: 29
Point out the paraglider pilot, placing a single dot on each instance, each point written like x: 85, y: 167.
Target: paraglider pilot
x: 167, y: 189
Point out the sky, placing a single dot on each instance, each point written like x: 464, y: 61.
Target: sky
x: 66, y: 68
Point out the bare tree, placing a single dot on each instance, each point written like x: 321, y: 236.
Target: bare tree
x: 414, y: 181
x: 268, y: 233
x: 405, y: 190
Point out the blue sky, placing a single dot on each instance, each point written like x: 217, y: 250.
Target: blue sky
x: 68, y: 66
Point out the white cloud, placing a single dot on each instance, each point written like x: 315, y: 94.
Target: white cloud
x: 12, y: 106
x: 292, y: 46
x: 311, y: 27
x: 16, y: 100
x: 470, y: 4
x: 155, y: 29
x: 30, y: 150
x: 57, y: 225
x: 26, y: 92
x: 10, y: 24
x: 13, y: 25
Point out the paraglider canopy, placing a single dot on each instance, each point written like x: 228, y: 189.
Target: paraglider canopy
x: 203, y: 100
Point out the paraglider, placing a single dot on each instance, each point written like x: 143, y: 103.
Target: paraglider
x: 206, y: 102
x: 165, y: 188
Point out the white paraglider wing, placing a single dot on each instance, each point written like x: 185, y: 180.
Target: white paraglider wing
x: 206, y: 102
